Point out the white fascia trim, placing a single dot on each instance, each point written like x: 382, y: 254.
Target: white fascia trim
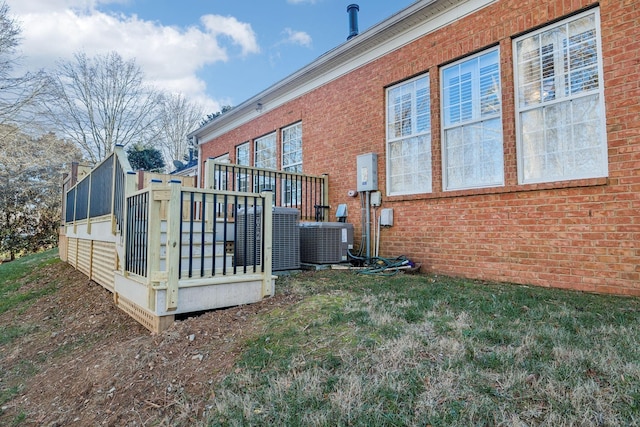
x: 246, y: 111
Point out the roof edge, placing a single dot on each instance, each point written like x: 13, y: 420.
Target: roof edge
x: 343, y: 53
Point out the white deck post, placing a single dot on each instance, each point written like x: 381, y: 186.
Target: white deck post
x: 267, y: 213
x: 174, y: 241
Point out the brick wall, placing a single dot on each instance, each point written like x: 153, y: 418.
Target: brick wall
x: 578, y: 234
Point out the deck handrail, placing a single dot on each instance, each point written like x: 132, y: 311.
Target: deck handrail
x: 308, y: 193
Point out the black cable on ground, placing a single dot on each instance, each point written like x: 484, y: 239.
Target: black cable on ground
x: 379, y: 265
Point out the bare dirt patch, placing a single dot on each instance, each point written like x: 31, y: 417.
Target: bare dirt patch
x: 78, y: 360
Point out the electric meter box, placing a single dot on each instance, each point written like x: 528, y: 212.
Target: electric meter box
x: 367, y: 165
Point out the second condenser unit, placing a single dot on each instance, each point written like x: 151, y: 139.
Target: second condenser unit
x: 285, y: 240
x: 325, y: 242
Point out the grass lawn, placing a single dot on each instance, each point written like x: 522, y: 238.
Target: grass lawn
x: 12, y: 287
x: 430, y: 350
x: 15, y: 293
x: 346, y: 350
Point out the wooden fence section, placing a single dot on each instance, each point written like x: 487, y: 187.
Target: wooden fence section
x: 94, y: 258
x: 308, y: 193
x: 92, y: 216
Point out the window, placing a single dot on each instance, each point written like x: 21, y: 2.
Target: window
x: 220, y: 174
x: 472, y: 125
x: 265, y: 152
x: 559, y: 102
x: 265, y: 157
x: 242, y: 159
x: 409, y: 137
x: 242, y: 154
x: 292, y: 162
x: 292, y: 148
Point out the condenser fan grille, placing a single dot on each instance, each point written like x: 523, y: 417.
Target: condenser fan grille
x: 285, y: 243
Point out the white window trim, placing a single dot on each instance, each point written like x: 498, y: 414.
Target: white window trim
x: 388, y: 140
x: 444, y: 128
x: 600, y: 91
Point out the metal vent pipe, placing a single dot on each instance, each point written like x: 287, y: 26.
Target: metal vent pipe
x: 353, y: 9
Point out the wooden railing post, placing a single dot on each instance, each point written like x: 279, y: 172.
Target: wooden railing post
x: 90, y: 178
x: 153, y: 239
x: 267, y: 217
x: 121, y: 251
x: 119, y: 152
x: 130, y: 187
x: 75, y: 210
x: 208, y: 175
x: 114, y: 172
x: 174, y: 241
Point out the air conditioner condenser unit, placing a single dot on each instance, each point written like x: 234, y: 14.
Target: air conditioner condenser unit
x: 325, y: 242
x: 285, y: 235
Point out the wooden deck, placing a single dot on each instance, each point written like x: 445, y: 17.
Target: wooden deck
x: 162, y: 246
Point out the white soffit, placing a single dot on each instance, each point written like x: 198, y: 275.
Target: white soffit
x: 414, y: 22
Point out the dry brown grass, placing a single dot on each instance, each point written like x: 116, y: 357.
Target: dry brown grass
x: 438, y: 351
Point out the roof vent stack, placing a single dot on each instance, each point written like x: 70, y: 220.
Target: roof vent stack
x: 353, y: 9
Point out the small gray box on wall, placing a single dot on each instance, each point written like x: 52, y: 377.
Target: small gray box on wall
x: 386, y: 217
x: 367, y: 170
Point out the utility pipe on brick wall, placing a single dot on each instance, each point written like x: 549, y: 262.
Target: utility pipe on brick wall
x: 368, y: 221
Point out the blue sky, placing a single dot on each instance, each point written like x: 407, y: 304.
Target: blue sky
x: 215, y: 52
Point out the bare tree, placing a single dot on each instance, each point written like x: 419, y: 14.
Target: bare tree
x: 102, y: 101
x: 18, y: 94
x: 178, y: 117
x: 30, y: 200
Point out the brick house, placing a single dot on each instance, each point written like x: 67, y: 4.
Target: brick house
x: 507, y: 136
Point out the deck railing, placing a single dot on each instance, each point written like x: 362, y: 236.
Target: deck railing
x: 137, y: 232
x: 101, y: 192
x: 307, y: 193
x: 150, y: 244
x: 177, y: 235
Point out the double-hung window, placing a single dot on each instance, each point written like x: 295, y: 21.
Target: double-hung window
x: 292, y: 162
x: 409, y: 137
x: 559, y: 102
x: 472, y: 123
x: 265, y: 156
x: 242, y: 159
x: 220, y: 174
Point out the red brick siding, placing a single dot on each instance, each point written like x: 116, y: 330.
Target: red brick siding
x: 581, y: 234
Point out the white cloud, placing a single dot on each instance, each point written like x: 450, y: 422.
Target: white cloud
x: 296, y: 37
x: 170, y: 57
x: 239, y: 32
x: 39, y: 6
x: 301, y: 1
